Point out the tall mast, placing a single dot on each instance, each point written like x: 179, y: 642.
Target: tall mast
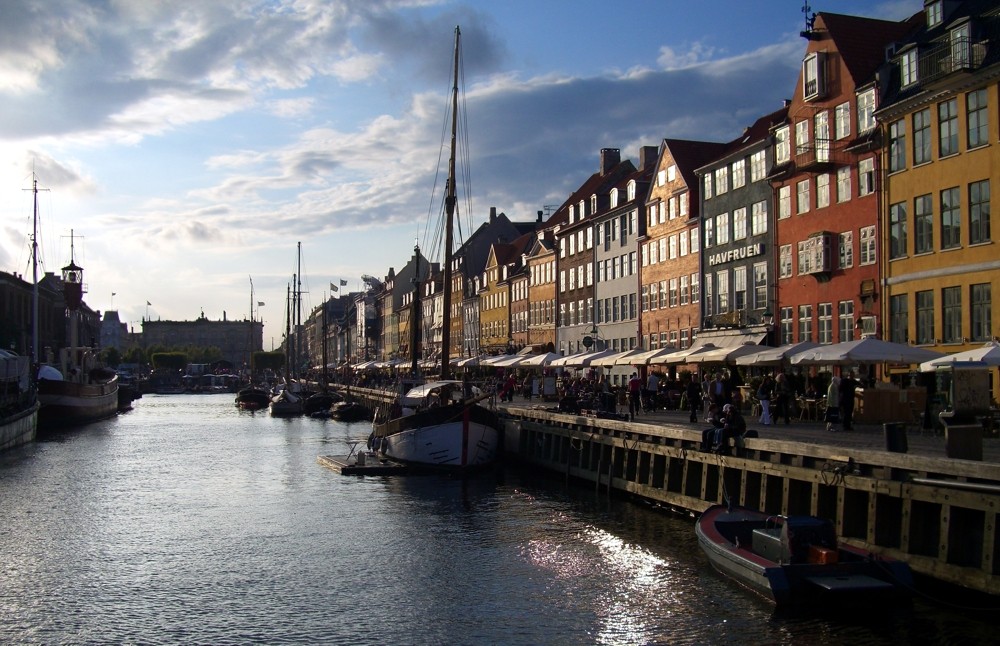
x: 34, y: 272
x: 449, y: 205
x: 416, y: 315
x: 288, y: 336
x: 298, y: 311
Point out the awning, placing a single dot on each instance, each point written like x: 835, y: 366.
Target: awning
x: 614, y: 359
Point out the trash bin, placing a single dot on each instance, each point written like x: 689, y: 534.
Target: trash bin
x: 895, y: 437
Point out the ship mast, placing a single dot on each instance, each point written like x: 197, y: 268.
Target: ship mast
x: 449, y: 204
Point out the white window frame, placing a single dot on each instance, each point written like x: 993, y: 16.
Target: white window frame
x: 842, y: 120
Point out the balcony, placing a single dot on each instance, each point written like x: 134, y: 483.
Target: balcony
x: 951, y: 57
x: 820, y: 155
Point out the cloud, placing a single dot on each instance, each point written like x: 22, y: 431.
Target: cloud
x: 672, y: 59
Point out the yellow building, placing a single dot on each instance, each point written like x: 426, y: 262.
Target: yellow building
x: 940, y: 168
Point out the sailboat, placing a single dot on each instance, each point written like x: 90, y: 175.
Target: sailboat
x: 79, y: 390
x: 18, y: 397
x: 286, y: 403
x: 438, y: 424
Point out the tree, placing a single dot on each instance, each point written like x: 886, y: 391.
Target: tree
x: 111, y: 357
x: 170, y: 360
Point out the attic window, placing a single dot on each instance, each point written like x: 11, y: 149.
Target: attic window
x: 614, y: 197
x: 593, y: 204
x: 630, y: 190
x: 908, y: 68
x: 934, y: 13
x: 814, y: 76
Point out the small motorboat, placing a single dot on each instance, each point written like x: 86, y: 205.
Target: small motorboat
x: 796, y: 560
x: 349, y: 411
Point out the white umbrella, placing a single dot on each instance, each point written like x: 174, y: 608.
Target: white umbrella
x: 618, y: 358
x: 469, y: 362
x: 510, y: 361
x: 989, y: 354
x: 774, y: 356
x: 581, y: 360
x: 681, y: 356
x: 644, y: 358
x: 724, y: 355
x: 868, y: 350
x: 540, y: 360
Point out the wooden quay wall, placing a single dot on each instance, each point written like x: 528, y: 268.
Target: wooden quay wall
x: 936, y: 513
x: 939, y: 514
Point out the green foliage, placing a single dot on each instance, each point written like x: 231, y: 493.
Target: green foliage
x: 111, y: 357
x: 267, y: 361
x: 170, y: 360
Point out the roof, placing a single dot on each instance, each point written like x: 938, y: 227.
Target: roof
x: 757, y: 132
x: 691, y: 155
x: 861, y: 41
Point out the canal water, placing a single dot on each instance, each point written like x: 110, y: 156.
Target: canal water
x: 188, y: 521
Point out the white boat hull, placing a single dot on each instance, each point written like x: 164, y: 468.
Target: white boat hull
x: 65, y: 403
x: 451, y: 444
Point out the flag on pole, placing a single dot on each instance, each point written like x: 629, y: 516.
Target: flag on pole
x: 114, y: 293
x: 260, y: 303
x: 343, y: 283
x: 148, y: 304
x: 333, y: 287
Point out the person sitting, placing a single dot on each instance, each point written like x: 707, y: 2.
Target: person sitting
x: 708, y: 435
x: 734, y: 426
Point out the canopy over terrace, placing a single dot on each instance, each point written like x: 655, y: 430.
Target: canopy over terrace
x: 774, y: 356
x: 618, y: 358
x: 681, y: 356
x: 869, y: 350
x: 539, y: 360
x: 727, y: 356
x: 988, y: 354
x: 582, y: 360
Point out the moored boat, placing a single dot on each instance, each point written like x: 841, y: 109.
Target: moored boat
x: 451, y: 430
x: 18, y: 401
x: 252, y: 398
x: 796, y: 560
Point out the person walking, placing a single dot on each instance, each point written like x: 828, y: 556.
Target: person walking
x: 848, y: 385
x: 693, y: 394
x: 783, y: 395
x: 764, y: 394
x: 634, y: 395
x: 832, y: 402
x: 652, y: 390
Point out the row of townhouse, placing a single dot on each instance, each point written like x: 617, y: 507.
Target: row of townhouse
x: 860, y: 207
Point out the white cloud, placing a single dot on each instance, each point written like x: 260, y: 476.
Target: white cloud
x: 689, y: 56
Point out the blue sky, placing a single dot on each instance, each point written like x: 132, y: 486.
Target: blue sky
x: 192, y: 144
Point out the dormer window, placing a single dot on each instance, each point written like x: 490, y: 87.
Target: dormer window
x: 934, y: 13
x: 782, y: 146
x: 593, y: 204
x: 630, y: 191
x: 959, y: 37
x: 582, y: 210
x: 866, y: 110
x: 614, y: 197
x: 814, y: 76
x: 572, y: 214
x: 908, y: 68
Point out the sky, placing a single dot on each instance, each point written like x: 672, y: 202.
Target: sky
x: 189, y: 146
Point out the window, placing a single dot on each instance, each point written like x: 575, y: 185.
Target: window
x: 673, y: 292
x: 813, y: 76
x: 934, y: 14
x: 694, y: 241
x: 898, y: 318
x: 825, y: 323
x: 925, y: 317
x: 695, y: 293
x: 785, y: 261
x: 672, y: 247
x: 948, y: 128
x: 805, y: 322
x: 739, y: 174
x: 845, y: 256
x: 758, y: 164
x: 721, y: 180
x: 802, y: 137
x: 709, y: 302
x: 661, y: 178
x: 951, y: 219
x: 708, y: 185
x: 908, y: 68
x: 672, y: 208
x: 671, y: 172
x: 866, y: 110
x: 760, y: 285
x: 845, y: 326
x: 821, y: 131
x: 897, y: 230
x: 979, y: 212
x: 977, y: 118
x: 722, y: 228
x: 684, y: 243
x: 842, y: 120
x: 685, y: 290
x: 897, y: 146
x: 786, y: 325
x: 782, y: 149
x: 645, y: 298
x: 654, y: 296
x: 922, y: 136
x: 843, y: 184
x: 709, y: 233
x: 614, y: 197
x: 802, y: 197
x: 784, y: 202
x: 758, y: 218
x: 866, y: 176
x: 960, y: 46
x: 981, y: 300
x: 722, y: 282
x: 867, y: 253
x: 630, y: 190
x: 951, y: 314
x: 739, y: 288
x: 823, y: 190
x: 740, y: 223
x: 923, y: 224
x: 815, y: 254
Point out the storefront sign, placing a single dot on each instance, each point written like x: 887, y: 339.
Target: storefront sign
x: 736, y: 254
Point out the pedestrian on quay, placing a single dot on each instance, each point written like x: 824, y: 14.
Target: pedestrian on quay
x: 784, y: 396
x: 693, y: 394
x: 764, y: 394
x: 848, y: 385
x: 720, y: 391
x: 652, y: 389
x: 634, y: 395
x: 832, y: 414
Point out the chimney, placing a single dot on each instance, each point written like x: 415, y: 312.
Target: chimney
x: 647, y: 156
x: 610, y: 157
x: 539, y: 217
x: 493, y: 214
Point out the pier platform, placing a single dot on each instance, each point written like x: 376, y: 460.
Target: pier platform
x: 348, y: 465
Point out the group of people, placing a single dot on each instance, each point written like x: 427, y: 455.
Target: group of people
x: 840, y: 402
x: 775, y: 395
